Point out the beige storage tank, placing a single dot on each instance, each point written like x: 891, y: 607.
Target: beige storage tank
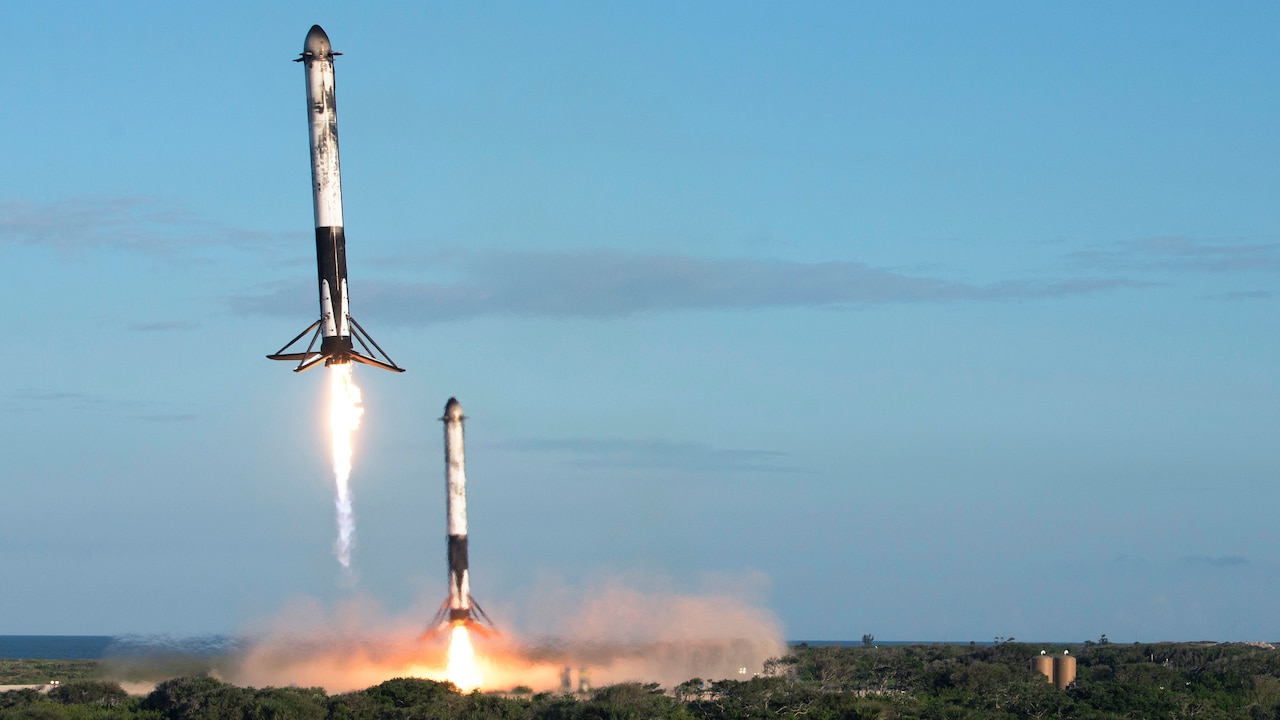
x: 1043, y: 664
x: 1064, y: 670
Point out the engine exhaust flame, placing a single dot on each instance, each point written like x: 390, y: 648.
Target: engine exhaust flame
x: 462, y: 669
x: 344, y: 417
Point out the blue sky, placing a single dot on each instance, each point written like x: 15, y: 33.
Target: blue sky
x: 928, y: 320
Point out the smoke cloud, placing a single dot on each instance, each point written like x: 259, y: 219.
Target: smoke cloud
x: 611, y: 632
x: 620, y: 632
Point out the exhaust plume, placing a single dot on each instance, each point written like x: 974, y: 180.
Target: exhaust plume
x: 344, y: 418
x: 461, y: 669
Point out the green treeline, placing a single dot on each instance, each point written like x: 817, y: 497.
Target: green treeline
x: 1166, y: 680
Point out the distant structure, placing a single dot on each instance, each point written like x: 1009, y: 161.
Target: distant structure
x: 1057, y: 669
x: 1043, y: 664
x: 1064, y: 670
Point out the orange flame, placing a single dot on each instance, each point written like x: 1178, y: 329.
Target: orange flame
x: 462, y: 670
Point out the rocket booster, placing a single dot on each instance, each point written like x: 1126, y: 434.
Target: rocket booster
x: 460, y: 607
x: 455, y: 480
x: 336, y: 328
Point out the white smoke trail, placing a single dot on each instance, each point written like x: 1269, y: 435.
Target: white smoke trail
x: 344, y: 418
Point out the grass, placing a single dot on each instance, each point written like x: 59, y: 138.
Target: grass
x: 38, y: 672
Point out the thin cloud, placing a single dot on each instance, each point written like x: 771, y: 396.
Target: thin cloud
x: 140, y: 224
x: 163, y: 326
x: 1244, y: 295
x: 655, y: 455
x: 608, y: 284
x: 166, y: 417
x: 1182, y: 253
x: 28, y: 400
x: 1210, y: 561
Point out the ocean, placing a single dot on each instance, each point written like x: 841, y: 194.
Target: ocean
x: 54, y: 647
x: 95, y: 647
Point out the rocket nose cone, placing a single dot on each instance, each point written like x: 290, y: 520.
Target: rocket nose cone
x: 452, y: 410
x: 317, y: 43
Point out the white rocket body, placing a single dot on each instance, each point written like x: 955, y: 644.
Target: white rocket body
x: 335, y: 328
x: 326, y: 192
x: 322, y: 119
x: 455, y: 479
x: 459, y: 608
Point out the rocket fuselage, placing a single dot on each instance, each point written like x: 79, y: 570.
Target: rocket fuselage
x: 459, y: 609
x: 455, y: 476
x: 326, y: 195
x: 336, y: 328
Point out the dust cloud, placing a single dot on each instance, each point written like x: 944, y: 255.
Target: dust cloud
x: 560, y: 638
